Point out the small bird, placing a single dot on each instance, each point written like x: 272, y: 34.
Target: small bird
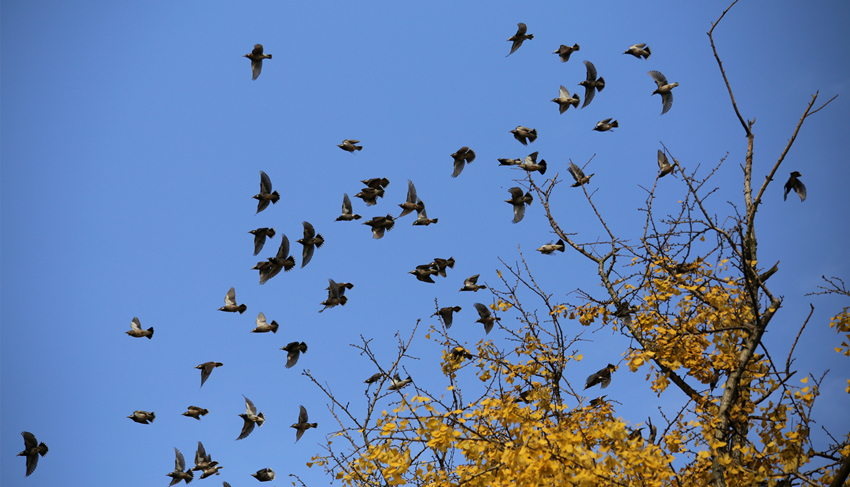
x: 196, y: 412
x: 142, y: 417
x: 606, y: 125
x: 624, y: 312
x: 263, y: 327
x: 519, y: 37
x: 302, y: 425
x: 281, y: 261
x: 376, y: 183
x: 211, y: 470
x: 793, y: 183
x: 470, y: 284
x: 636, y: 433
x: 230, y: 303
x: 256, y: 58
x: 510, y: 162
x: 664, y: 89
x: 424, y: 272
x: 251, y: 418
x: 137, y: 330
x: 564, y: 100
x: 202, y: 459
x: 206, y: 370
x: 461, y: 157
x: 379, y: 224
x: 293, y: 351
x: 664, y: 166
x: 518, y: 200
x: 524, y: 134
x: 446, y: 314
x: 370, y: 195
x: 179, y: 472
x: 32, y: 449
x: 486, y: 318
x: 602, y: 377
x: 265, y: 195
x: 347, y: 211
x: 551, y: 247
x: 336, y: 296
x: 412, y: 202
x: 638, y: 50
x: 422, y: 216
x: 374, y: 378
x: 264, y: 475
x: 311, y: 242
x: 530, y: 164
x: 578, y: 175
x: 348, y: 145
x: 460, y: 352
x: 591, y: 84
x: 398, y: 383
x: 442, y: 264
x: 599, y: 400
x: 565, y: 51
x: 260, y: 235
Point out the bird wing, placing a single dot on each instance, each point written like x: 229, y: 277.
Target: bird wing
x: 259, y: 242
x: 515, y: 193
x: 458, y: 163
x: 659, y: 78
x: 663, y: 163
x: 307, y: 254
x: 666, y: 101
x: 483, y: 311
x: 247, y: 428
x: 292, y: 357
x: 249, y: 407
x: 309, y: 231
x: 411, y: 192
x: 591, y: 71
x: 29, y: 440
x: 201, y: 454
x: 258, y: 50
x: 446, y: 315
x: 346, y: 205
x: 136, y: 325
x: 302, y: 415
x: 283, y: 250
x: 519, y: 212
x: 638, y: 46
x: 521, y: 29
x: 800, y: 189
x: 256, y: 68
x: 470, y: 281
x: 589, y: 93
x: 576, y: 171
x: 265, y: 183
x: 230, y: 297
x: 179, y: 462
x: 261, y: 319
x: 333, y: 289
x: 563, y: 94
x: 206, y: 370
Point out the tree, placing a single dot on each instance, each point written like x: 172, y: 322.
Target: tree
x: 693, y: 299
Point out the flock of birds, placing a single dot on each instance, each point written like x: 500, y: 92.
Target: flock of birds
x: 374, y: 189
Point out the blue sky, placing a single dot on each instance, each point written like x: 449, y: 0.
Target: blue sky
x: 133, y: 137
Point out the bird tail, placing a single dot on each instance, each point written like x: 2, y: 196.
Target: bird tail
x: 42, y: 449
x: 153, y: 416
x: 530, y: 198
x: 320, y: 241
x: 274, y: 326
x: 530, y: 36
x: 151, y: 335
x: 614, y: 124
x: 648, y: 53
x: 270, y: 56
x: 242, y: 309
x: 274, y: 197
x: 561, y: 243
x: 532, y: 136
x: 358, y: 147
x: 600, y: 84
x: 542, y: 168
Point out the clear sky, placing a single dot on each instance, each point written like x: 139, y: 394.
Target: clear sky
x: 133, y: 137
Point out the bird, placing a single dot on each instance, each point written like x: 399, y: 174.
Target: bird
x: 796, y: 185
x: 485, y: 317
x: 599, y: 400
x: 263, y: 327
x: 551, y: 247
x: 524, y: 134
x: 398, y: 383
x: 518, y: 200
x: 293, y: 351
x: 530, y: 164
x: 311, y: 242
x: 376, y: 183
x: 636, y: 433
x: 519, y: 37
x: 281, y: 261
x: 202, y: 459
x: 446, y: 314
x: 565, y: 51
x: 578, y: 175
x: 374, y: 378
x: 412, y: 202
x: 211, y: 470
x: 624, y: 312
x: 264, y: 475
x: 137, y: 331
x: 461, y: 157
x: 302, y: 425
x: 347, y: 211
x: 230, y: 303
x: 510, y: 162
x: 206, y: 370
x: 180, y: 472
x: 460, y: 352
x: 638, y: 50
x: 470, y: 284
x: 564, y: 100
x: 442, y: 264
x: 32, y: 449
x: 379, y: 224
x: 348, y: 145
x: 336, y: 296
x: 664, y: 89
x: 424, y: 272
x: 196, y: 412
x: 664, y: 166
x: 591, y: 84
x: 260, y: 235
x: 251, y: 418
x: 606, y: 125
x: 265, y: 195
x: 256, y: 56
x: 370, y: 195
x: 602, y: 377
x: 422, y: 216
x: 142, y: 417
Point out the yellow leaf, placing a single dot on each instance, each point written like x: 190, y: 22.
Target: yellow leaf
x: 804, y: 380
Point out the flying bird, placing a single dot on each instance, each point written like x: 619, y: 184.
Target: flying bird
x: 347, y: 211
x: 530, y: 164
x: 281, y: 261
x: 442, y: 264
x: 578, y: 175
x: 422, y: 216
x: 251, y: 418
x: 265, y: 195
x: 509, y: 162
x: 206, y: 370
x: 202, y: 459
x: 485, y: 317
x: 446, y: 314
x: 519, y: 201
x: 375, y: 378
x: 664, y: 166
x: 460, y: 352
x: 348, y: 145
x: 524, y: 134
x: 230, y: 302
x: 564, y: 100
x: 260, y: 235
x: 137, y: 331
x: 311, y: 242
x: 565, y: 51
x: 302, y: 425
x: 461, y: 157
x: 552, y: 247
x: 263, y: 326
x: 470, y: 284
x: 256, y: 56
x: 336, y: 296
x: 606, y: 125
x: 424, y: 272
x: 398, y: 383
x: 792, y: 184
x: 293, y: 351
x: 211, y: 470
x: 591, y: 84
x: 264, y: 475
x: 412, y: 202
x: 196, y: 412
x: 379, y: 224
x: 602, y: 377
x: 370, y: 195
x: 32, y: 449
x: 376, y: 183
x: 664, y: 89
x: 519, y: 37
x: 180, y: 472
x: 638, y: 50
x: 142, y: 417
